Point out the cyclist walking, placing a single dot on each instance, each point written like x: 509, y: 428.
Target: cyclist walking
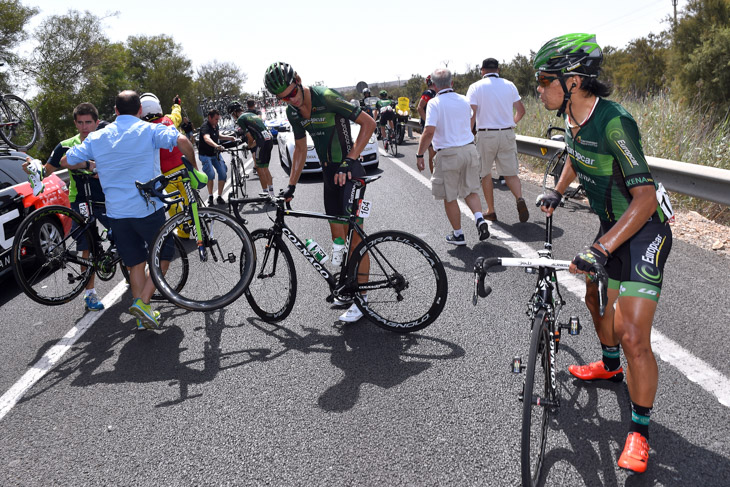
x: 260, y: 141
x: 326, y: 116
x: 634, y: 238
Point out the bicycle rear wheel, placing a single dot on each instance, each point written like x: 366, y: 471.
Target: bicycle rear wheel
x: 406, y: 287
x: 223, y: 264
x: 273, y: 288
x: 553, y: 170
x: 536, y: 392
x: 393, y: 146
x: 47, y: 264
x: 21, y: 130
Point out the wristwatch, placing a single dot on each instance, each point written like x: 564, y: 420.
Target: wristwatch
x: 419, y: 156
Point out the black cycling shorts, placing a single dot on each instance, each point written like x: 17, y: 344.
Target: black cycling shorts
x: 387, y: 115
x: 262, y: 152
x: 636, y: 268
x: 337, y: 198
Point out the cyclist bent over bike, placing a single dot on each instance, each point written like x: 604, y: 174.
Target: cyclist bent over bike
x: 634, y: 238
x: 326, y: 116
x: 260, y: 141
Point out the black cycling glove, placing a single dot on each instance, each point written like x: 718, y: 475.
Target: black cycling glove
x: 551, y: 198
x: 289, y: 192
x: 588, y: 257
x: 346, y: 165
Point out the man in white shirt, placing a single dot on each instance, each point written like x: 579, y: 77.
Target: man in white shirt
x: 456, y: 164
x: 497, y: 107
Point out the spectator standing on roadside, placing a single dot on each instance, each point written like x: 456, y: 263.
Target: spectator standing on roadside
x: 127, y: 151
x: 497, y: 107
x: 187, y: 128
x: 422, y: 103
x: 209, y: 153
x: 456, y: 165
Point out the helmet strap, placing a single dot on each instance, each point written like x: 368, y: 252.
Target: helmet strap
x: 566, y: 97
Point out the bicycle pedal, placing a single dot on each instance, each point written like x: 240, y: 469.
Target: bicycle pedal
x: 573, y: 326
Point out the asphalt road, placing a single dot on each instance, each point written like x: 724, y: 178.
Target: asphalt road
x: 224, y: 398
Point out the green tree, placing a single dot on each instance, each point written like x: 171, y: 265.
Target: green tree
x: 72, y: 62
x: 640, y: 68
x: 701, y: 53
x: 13, y: 20
x: 521, y: 73
x: 217, y: 78
x: 157, y: 66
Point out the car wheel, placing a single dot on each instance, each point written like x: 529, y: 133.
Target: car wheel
x: 49, y: 232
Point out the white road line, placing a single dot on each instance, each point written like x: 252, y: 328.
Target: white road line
x: 56, y: 352
x: 695, y: 369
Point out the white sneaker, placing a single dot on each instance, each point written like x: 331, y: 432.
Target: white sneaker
x: 351, y: 315
x: 343, y: 301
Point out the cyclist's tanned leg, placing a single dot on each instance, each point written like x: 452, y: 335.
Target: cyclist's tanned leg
x: 604, y: 324
x: 632, y: 326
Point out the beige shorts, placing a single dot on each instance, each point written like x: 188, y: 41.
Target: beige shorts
x: 498, y: 147
x: 456, y: 173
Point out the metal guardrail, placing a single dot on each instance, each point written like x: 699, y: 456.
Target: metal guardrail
x: 703, y: 182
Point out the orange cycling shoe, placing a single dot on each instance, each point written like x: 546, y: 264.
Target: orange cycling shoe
x: 635, y: 456
x: 596, y: 371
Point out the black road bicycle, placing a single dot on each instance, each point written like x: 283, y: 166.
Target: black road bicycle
x: 540, y: 396
x: 406, y: 284
x: 221, y: 258
x: 391, y: 142
x: 18, y: 125
x: 50, y: 268
x: 239, y: 176
x: 555, y: 166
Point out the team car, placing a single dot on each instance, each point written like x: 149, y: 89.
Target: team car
x: 17, y: 201
x: 285, y: 142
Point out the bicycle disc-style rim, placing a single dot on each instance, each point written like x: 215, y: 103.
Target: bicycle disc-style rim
x: 222, y: 276
x: 273, y: 288
x: 534, y: 416
x: 23, y: 132
x: 50, y: 272
x: 407, y: 286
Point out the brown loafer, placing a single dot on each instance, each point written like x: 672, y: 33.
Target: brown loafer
x: 522, y: 210
x: 492, y: 217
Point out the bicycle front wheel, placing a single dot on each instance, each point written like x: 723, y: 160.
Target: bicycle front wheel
x: 405, y: 284
x: 19, y: 126
x: 221, y: 266
x: 393, y: 147
x: 273, y: 288
x: 48, y: 264
x: 537, y: 401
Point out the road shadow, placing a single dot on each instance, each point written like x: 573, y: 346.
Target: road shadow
x: 596, y: 442
x: 365, y: 354
x: 462, y: 257
x: 145, y: 356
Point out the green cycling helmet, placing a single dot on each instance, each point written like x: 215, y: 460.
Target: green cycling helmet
x: 570, y: 54
x: 383, y: 94
x: 278, y: 77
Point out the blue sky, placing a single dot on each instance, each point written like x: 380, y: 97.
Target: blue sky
x: 341, y: 43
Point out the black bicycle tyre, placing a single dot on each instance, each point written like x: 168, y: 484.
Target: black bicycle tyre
x: 372, y: 308
x: 26, y: 115
x: 539, y: 350
x: 29, y: 271
x: 393, y: 147
x: 553, y: 170
x: 278, y: 260
x: 246, y: 260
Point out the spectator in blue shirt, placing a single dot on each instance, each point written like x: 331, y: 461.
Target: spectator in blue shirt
x: 124, y: 152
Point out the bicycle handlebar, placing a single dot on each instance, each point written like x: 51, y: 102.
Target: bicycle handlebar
x: 482, y: 265
x: 154, y: 188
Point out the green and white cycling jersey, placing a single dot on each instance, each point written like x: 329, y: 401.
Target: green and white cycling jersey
x: 607, y: 156
x: 328, y: 125
x: 383, y: 103
x: 253, y: 124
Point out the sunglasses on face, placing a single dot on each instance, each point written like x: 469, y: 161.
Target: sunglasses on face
x: 544, y: 80
x: 292, y: 94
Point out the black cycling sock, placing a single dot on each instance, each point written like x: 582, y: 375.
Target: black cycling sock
x: 640, y: 417
x: 611, y: 356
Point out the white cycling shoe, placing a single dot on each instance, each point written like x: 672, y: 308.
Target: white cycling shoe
x: 352, y: 314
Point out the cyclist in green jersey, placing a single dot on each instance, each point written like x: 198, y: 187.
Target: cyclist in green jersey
x: 259, y: 140
x: 326, y: 116
x: 634, y: 238
x: 385, y: 114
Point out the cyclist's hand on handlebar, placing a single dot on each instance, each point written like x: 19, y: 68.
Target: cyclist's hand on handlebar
x: 343, y: 171
x: 585, y: 261
x: 549, y: 200
x: 288, y: 194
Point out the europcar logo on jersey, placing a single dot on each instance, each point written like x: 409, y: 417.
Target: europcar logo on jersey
x: 653, y: 249
x: 587, y: 161
x: 624, y: 148
x: 649, y: 273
